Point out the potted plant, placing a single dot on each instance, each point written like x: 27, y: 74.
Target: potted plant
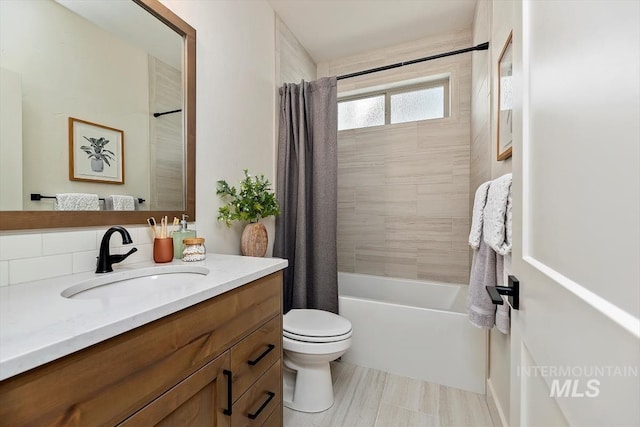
x: 252, y: 202
x: 97, y: 153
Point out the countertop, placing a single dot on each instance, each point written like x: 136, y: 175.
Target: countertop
x: 38, y: 325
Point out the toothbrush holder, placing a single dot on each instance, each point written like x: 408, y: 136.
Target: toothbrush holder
x: 163, y: 249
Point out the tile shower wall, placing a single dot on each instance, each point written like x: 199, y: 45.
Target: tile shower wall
x: 403, y: 189
x: 293, y: 62
x: 41, y: 255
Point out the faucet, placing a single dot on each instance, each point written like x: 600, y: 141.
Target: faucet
x: 105, y: 259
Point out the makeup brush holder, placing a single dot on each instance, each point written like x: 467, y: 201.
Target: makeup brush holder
x: 163, y: 250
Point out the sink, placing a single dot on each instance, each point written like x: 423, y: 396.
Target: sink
x: 135, y: 283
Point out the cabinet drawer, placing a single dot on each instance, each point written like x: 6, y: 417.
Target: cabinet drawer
x: 251, y: 357
x: 275, y: 419
x: 108, y: 382
x: 255, y: 406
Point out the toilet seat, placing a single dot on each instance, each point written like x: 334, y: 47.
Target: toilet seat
x: 315, y: 326
x: 318, y: 340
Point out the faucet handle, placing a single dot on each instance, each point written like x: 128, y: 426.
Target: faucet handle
x: 119, y: 258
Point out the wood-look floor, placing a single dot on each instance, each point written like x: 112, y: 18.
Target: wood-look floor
x: 370, y: 398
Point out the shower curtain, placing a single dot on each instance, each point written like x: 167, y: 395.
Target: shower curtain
x: 307, y: 193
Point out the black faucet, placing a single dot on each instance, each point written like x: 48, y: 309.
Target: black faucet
x: 105, y: 259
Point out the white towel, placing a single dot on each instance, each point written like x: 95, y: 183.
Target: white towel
x: 475, y: 235
x: 498, y: 215
x: 76, y: 202
x: 118, y: 202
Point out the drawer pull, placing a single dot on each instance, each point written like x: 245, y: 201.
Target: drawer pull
x: 229, y: 376
x: 264, y: 405
x: 264, y: 353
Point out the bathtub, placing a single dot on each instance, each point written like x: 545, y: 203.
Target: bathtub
x: 413, y: 328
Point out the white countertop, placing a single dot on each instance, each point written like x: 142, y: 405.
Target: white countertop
x: 38, y: 325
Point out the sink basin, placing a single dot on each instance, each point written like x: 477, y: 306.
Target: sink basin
x: 135, y: 283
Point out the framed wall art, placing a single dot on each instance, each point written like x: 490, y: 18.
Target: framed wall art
x: 96, y: 152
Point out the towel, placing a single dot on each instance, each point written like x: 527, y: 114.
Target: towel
x: 491, y: 236
x: 117, y: 202
x: 498, y: 216
x: 482, y: 312
x: 477, y: 216
x: 76, y: 202
x: 503, y: 267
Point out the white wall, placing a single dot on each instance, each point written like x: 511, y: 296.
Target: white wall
x: 235, y: 104
x: 10, y: 141
x: 69, y: 67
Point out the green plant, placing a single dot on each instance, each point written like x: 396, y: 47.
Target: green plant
x: 254, y: 201
x: 97, y: 150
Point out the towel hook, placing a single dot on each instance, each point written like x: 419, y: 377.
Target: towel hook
x: 512, y: 290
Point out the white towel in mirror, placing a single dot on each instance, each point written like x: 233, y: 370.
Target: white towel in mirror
x: 76, y: 202
x: 117, y: 202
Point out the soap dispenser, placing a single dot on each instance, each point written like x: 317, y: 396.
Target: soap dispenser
x: 179, y: 235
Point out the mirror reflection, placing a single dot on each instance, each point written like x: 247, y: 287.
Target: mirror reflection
x: 109, y: 64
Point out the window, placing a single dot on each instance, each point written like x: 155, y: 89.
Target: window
x: 400, y: 105
x: 361, y: 113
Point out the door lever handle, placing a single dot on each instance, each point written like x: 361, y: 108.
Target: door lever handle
x: 512, y: 291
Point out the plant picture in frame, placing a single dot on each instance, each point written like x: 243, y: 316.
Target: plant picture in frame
x: 505, y: 100
x: 96, y: 152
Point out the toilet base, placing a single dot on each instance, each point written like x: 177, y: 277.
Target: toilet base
x: 308, y: 389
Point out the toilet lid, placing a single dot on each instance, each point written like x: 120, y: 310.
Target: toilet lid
x: 315, y: 326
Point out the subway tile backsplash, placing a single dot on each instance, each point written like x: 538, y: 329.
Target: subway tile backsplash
x: 44, y: 254
x: 68, y: 242
x: 28, y: 269
x: 20, y: 246
x: 4, y: 273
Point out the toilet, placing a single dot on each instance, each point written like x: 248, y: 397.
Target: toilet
x: 311, y: 339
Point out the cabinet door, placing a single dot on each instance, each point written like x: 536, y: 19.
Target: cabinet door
x: 199, y: 400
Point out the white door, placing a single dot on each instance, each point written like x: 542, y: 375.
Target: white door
x: 575, y: 345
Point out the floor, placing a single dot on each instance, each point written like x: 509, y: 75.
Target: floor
x: 370, y: 398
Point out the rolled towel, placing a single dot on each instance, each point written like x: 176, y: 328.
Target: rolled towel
x: 76, y: 202
x: 117, y: 202
x: 475, y: 235
x: 498, y: 216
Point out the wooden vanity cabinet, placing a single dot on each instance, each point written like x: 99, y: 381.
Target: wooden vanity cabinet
x: 198, y: 400
x: 217, y: 363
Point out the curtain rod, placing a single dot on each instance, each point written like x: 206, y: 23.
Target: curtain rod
x: 481, y: 46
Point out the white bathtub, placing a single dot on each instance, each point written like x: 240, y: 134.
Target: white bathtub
x: 413, y: 328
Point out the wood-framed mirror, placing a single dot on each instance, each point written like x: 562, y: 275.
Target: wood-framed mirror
x: 29, y: 218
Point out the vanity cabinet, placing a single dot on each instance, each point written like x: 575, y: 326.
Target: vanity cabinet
x: 217, y: 363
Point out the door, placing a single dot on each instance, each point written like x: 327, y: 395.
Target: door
x: 198, y: 400
x: 575, y: 345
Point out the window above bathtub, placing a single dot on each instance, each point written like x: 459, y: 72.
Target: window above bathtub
x: 408, y: 103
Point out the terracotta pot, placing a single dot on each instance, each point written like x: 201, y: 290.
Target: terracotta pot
x: 163, y: 250
x: 254, y: 240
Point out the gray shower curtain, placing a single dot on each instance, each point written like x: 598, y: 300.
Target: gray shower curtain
x: 307, y: 193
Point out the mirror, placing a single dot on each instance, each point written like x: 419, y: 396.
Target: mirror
x: 148, y: 67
